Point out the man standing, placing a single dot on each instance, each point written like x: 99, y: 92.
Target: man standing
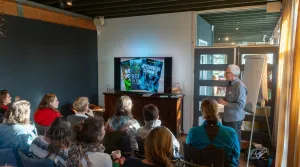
x: 235, y: 100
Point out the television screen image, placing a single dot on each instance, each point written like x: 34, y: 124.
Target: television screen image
x: 142, y: 74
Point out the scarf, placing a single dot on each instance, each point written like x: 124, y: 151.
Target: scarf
x: 77, y: 152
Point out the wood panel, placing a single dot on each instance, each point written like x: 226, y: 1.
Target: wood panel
x: 170, y: 109
x: 31, y: 12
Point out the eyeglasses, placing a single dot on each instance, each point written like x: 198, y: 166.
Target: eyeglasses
x: 228, y: 73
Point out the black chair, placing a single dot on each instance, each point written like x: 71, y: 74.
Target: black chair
x: 140, y: 143
x: 205, y: 157
x: 117, y: 140
x: 31, y: 162
x: 41, y: 130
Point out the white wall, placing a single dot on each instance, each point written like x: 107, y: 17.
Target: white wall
x: 152, y: 36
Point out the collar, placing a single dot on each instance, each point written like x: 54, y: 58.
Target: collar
x: 81, y: 115
x: 234, y: 81
x: 153, y: 123
x: 217, y: 124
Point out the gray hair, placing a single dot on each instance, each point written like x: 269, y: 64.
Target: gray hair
x: 234, y: 69
x: 18, y: 113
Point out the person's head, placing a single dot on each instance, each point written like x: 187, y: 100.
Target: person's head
x: 5, y: 98
x: 209, y: 109
x: 90, y: 130
x: 124, y: 106
x: 59, y: 134
x: 81, y: 104
x: 158, y: 146
x: 232, y: 72
x: 49, y: 101
x: 150, y: 112
x: 18, y: 113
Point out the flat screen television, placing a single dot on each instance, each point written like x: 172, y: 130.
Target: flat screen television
x: 143, y: 74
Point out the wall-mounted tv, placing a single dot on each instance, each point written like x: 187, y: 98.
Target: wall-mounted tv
x: 143, y: 74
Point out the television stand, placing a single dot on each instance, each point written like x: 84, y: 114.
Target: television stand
x: 170, y: 108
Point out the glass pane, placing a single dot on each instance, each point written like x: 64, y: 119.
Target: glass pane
x: 212, y: 91
x: 269, y: 93
x: 269, y: 76
x: 213, y: 59
x: 211, y: 75
x: 270, y: 58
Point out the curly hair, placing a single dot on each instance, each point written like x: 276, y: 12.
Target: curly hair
x: 124, y: 106
x: 209, y: 109
x: 46, y: 100
x: 19, y: 112
x: 59, y: 134
x: 80, y: 104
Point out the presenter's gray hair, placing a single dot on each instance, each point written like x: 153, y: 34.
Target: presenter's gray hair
x: 235, y: 70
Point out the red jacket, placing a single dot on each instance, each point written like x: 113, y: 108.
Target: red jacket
x: 45, y: 116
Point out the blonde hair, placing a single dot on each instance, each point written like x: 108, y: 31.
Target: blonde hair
x: 209, y: 109
x: 46, y: 100
x: 124, y: 106
x: 158, y: 146
x: 19, y: 112
x: 80, y: 104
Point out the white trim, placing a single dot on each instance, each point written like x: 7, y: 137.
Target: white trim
x: 228, y: 10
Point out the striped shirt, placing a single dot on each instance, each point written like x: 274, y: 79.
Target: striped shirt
x: 39, y: 149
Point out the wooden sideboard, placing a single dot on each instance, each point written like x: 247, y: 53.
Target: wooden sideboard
x: 170, y: 108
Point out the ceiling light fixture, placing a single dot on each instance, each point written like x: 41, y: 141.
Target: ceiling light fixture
x: 219, y: 39
x: 69, y: 3
x: 226, y: 38
x: 232, y: 43
x: 237, y: 28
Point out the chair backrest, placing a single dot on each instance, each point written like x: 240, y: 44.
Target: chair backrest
x: 41, y: 130
x: 117, y: 141
x: 7, y: 157
x: 140, y: 143
x: 205, y: 157
x: 31, y: 162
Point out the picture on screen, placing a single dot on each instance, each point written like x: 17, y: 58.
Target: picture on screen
x: 142, y: 74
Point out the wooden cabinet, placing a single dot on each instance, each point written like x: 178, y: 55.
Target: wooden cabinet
x: 170, y: 108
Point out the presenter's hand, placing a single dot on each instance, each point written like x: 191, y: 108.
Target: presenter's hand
x: 223, y: 102
x: 17, y: 98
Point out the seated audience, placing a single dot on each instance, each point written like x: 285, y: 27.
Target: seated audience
x: 123, y: 120
x: 213, y: 134
x: 54, y: 144
x: 16, y: 131
x: 47, y: 110
x: 151, y: 118
x: 158, y: 150
x: 88, y: 151
x: 81, y: 106
x: 5, y: 100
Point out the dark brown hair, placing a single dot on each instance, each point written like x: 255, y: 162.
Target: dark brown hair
x: 90, y: 130
x: 150, y: 112
x: 60, y: 135
x: 3, y: 95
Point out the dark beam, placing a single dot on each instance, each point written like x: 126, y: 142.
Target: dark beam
x: 90, y: 2
x: 162, y: 9
x: 80, y: 7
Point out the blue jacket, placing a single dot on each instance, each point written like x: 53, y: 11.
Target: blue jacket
x: 17, y: 136
x: 226, y: 139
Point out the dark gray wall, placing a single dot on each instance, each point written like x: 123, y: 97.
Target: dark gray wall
x: 39, y: 57
x: 204, y: 31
